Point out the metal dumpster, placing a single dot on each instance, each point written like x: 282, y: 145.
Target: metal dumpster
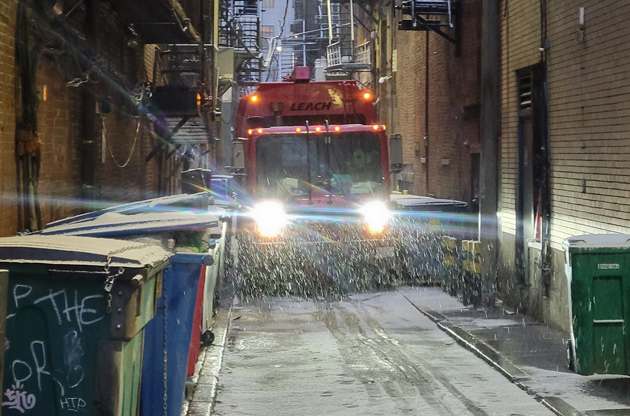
x: 167, y: 337
x: 75, y: 323
x: 598, y: 273
x: 421, y: 222
x: 172, y: 338
x: 4, y: 292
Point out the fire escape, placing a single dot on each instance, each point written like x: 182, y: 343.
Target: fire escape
x: 240, y: 31
x: 343, y: 55
x: 438, y: 16
x: 184, y: 88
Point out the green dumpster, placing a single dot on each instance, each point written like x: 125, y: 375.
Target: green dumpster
x: 598, y: 273
x: 75, y: 316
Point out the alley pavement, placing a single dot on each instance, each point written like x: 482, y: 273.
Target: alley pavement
x: 529, y: 354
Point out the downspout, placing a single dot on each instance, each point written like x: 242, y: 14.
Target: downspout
x: 426, y: 110
x: 546, y: 254
x: 352, y: 30
x: 490, y: 131
x: 330, y: 29
x: 89, y: 147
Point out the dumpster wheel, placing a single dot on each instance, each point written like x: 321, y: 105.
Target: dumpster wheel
x: 207, y: 338
x: 570, y: 357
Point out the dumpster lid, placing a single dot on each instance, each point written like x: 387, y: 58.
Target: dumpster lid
x: 117, y: 224
x: 69, y: 250
x: 162, y: 204
x: 416, y: 201
x: 597, y: 240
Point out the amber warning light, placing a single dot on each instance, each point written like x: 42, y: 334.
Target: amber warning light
x: 367, y: 95
x: 253, y: 98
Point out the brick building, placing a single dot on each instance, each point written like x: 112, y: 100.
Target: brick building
x: 436, y: 106
x: 582, y: 53
x: 77, y: 125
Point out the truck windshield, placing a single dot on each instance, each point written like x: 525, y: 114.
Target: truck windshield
x: 348, y: 164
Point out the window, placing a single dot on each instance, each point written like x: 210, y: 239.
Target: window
x: 267, y: 31
x: 349, y: 164
x: 268, y: 4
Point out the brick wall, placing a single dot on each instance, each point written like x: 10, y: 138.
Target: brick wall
x: 59, y: 118
x: 520, y: 34
x: 588, y: 114
x: 60, y: 125
x: 122, y: 174
x: 409, y: 99
x: 8, y: 207
x: 589, y: 140
x: 453, y: 106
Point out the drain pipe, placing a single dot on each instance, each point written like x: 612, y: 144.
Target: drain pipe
x: 426, y: 110
x: 89, y: 152
x: 490, y: 131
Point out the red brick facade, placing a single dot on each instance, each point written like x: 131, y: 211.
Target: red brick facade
x: 61, y: 116
x: 8, y: 198
x: 442, y: 149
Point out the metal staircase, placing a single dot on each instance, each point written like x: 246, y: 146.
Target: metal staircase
x: 343, y: 57
x: 183, y: 106
x: 240, y: 29
x: 433, y: 15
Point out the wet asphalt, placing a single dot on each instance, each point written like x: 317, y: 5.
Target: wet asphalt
x: 407, y: 351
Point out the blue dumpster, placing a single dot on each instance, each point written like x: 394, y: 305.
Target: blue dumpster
x: 167, y: 337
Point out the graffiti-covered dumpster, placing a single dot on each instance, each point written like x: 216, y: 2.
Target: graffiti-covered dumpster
x: 75, y: 319
x: 4, y: 291
x: 192, y: 232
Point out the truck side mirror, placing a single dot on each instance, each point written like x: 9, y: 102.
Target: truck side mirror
x: 395, y: 153
x: 238, y: 155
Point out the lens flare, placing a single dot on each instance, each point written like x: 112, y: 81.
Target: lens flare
x: 270, y: 218
x: 376, y: 215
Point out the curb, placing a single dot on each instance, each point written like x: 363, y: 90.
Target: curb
x: 494, y: 358
x: 202, y: 386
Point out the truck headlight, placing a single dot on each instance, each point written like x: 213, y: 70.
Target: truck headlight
x: 376, y: 215
x: 270, y: 218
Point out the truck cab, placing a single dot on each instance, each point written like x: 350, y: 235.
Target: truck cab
x: 313, y: 147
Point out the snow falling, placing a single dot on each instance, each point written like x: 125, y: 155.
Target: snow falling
x: 329, y: 260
